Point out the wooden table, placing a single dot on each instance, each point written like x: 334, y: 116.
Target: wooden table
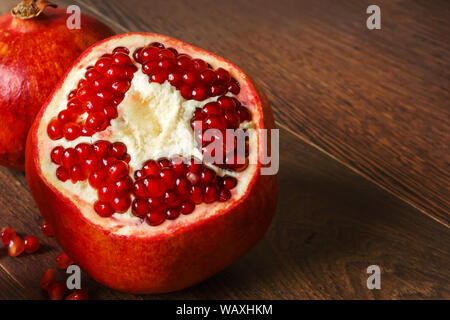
x: 364, y: 119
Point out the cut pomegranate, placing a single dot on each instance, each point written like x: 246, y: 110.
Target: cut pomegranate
x: 132, y: 156
x: 7, y: 234
x: 63, y: 261
x: 16, y: 246
x: 31, y: 244
x: 48, y: 279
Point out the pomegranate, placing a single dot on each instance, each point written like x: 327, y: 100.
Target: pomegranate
x: 117, y: 163
x: 36, y: 48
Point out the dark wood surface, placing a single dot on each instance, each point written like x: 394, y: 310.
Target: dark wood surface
x: 332, y: 222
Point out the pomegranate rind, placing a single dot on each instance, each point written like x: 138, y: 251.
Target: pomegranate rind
x: 167, y: 261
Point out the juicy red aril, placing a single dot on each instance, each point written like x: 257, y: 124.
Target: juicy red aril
x: 172, y: 213
x: 187, y: 207
x: 229, y: 182
x: 7, y: 234
x: 224, y: 195
x: 121, y: 204
x: 140, y: 208
x: 80, y: 294
x: 46, y: 229
x: 62, y: 174
x: 16, y: 246
x: 63, y: 261
x: 48, y: 279
x: 57, y: 290
x: 155, y: 218
x: 69, y: 158
x: 210, y: 194
x: 117, y: 170
x: 55, y: 130
x: 31, y: 244
x: 103, y: 209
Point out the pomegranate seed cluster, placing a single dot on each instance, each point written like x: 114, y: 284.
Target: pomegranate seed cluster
x: 162, y: 189
x: 166, y: 188
x: 225, y: 113
x: 194, y: 78
x: 97, y: 95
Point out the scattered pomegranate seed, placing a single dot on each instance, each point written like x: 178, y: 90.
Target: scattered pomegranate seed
x: 57, y: 290
x: 46, y: 229
x: 63, y: 261
x: 48, y: 279
x: 16, y: 246
x: 80, y: 294
x: 7, y: 234
x: 31, y: 244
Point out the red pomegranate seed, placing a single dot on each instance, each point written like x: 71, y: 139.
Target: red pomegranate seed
x: 172, y: 213
x: 103, y: 209
x: 63, y: 261
x: 69, y: 158
x: 106, y: 192
x: 137, y: 55
x: 46, y: 229
x: 102, y: 148
x: 210, y: 194
x: 196, y: 194
x: 120, y: 86
x: 140, y: 208
x: 207, y: 176
x: 121, y: 204
x: 199, y: 93
x: 117, y: 170
x: 169, y: 177
x: 97, y: 121
x: 227, y: 103
x: 83, y: 150
x: 48, y: 279
x: 154, y: 187
x: 72, y: 94
x: 224, y: 195
x: 96, y: 179
x: 80, y: 294
x: 234, y: 87
x: 148, y: 54
x: 139, y: 189
x: 155, y: 218
x: 186, y: 92
x: 190, y: 77
x: 157, y: 44
x: 187, y: 207
x: 223, y: 75
x: 150, y: 168
x: 102, y: 64
x: 65, y: 116
x: 182, y: 186
x: 121, y: 59
x: 214, y: 122
x: 123, y: 186
x: 74, y: 106
x: 122, y: 50
x: 171, y: 199
x: 55, y: 130
x: 193, y: 178
x: 91, y: 163
x: 31, y: 244
x: 77, y: 173
x: 7, y: 235
x: 57, y: 290
x: 164, y: 163
x: 229, y: 182
x: 62, y: 174
x: 199, y: 64
x: 212, y: 109
x: 243, y: 114
x: 16, y: 246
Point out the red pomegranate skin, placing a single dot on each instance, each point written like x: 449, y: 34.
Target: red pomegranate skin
x: 165, y: 262
x: 34, y: 54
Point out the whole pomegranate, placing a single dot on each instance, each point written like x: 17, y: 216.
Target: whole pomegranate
x: 119, y: 163
x: 36, y: 48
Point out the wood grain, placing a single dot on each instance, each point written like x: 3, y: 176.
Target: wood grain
x: 378, y: 101
x: 331, y: 223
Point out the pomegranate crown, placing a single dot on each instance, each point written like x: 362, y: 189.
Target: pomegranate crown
x: 28, y: 9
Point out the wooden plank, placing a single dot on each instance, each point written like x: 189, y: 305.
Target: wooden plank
x: 375, y: 100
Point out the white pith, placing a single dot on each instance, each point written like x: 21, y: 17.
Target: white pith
x: 153, y: 122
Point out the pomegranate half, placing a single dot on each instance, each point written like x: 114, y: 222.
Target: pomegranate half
x: 36, y: 49
x: 117, y: 170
